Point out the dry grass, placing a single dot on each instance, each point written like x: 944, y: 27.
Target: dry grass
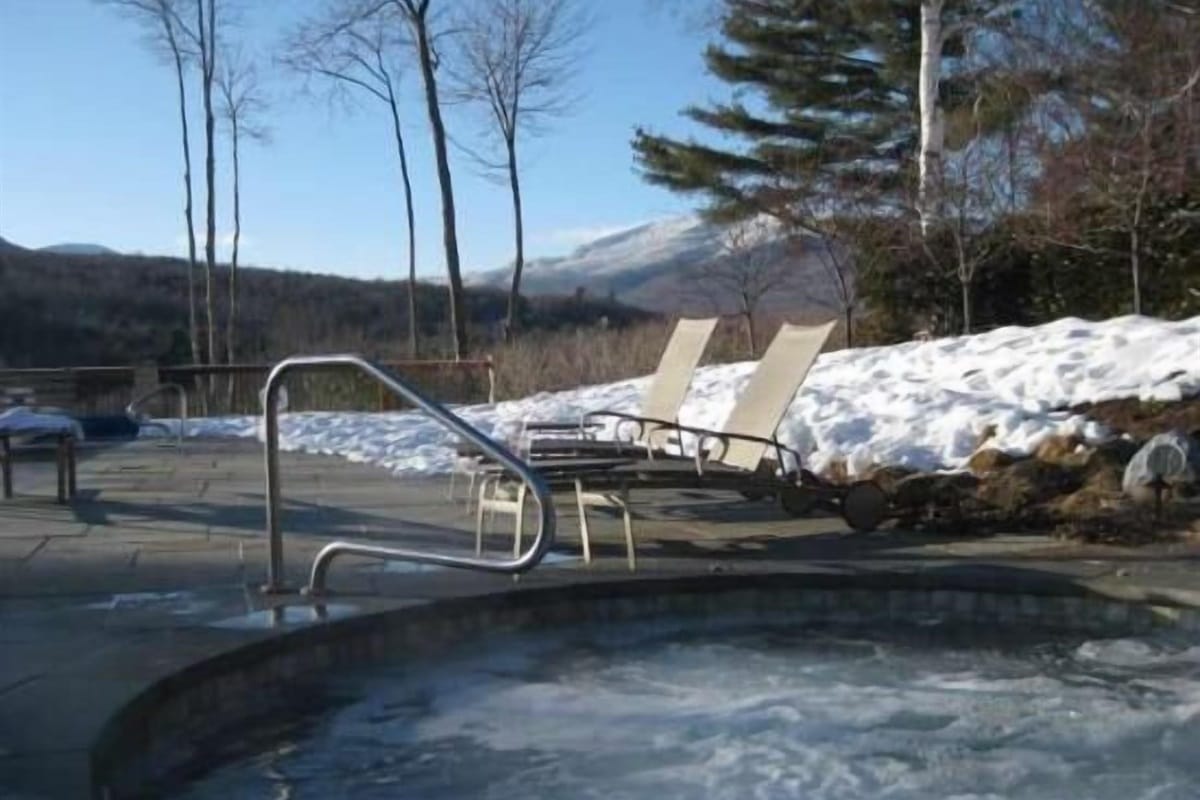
x: 587, y: 356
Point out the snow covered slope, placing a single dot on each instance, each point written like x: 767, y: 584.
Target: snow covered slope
x: 651, y: 266
x: 921, y: 404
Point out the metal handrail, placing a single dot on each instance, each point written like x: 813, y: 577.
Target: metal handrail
x: 134, y: 414
x: 497, y: 452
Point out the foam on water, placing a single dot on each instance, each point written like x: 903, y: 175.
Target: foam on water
x: 811, y: 713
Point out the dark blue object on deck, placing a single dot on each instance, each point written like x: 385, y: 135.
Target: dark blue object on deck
x: 108, y: 427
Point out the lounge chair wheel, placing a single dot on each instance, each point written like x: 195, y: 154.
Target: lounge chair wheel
x: 864, y: 506
x: 798, y: 501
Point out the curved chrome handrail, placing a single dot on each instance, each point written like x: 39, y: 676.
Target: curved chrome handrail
x: 500, y: 454
x: 134, y: 414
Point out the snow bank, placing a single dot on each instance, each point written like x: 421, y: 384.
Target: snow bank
x: 21, y: 421
x: 921, y: 404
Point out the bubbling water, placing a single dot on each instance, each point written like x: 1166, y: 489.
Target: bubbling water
x: 798, y: 712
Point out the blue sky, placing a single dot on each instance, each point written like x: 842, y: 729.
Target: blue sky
x: 89, y: 147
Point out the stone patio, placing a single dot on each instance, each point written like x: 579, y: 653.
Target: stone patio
x: 156, y: 565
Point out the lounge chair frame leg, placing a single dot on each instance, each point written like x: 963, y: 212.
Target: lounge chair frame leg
x: 471, y: 474
x: 490, y: 503
x: 618, y: 500
x: 6, y: 466
x: 520, y: 523
x: 60, y: 458
x: 584, y: 535
x: 479, y: 508
x: 72, y: 483
x: 627, y: 519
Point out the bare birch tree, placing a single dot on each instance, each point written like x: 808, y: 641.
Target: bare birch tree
x: 418, y: 18
x: 242, y: 105
x: 204, y: 37
x: 517, y: 59
x: 1129, y: 125
x: 360, y: 55
x: 207, y: 44
x: 753, y: 263
x: 971, y: 201
x: 929, y: 165
x: 1150, y: 87
x: 839, y: 269
x: 168, y: 34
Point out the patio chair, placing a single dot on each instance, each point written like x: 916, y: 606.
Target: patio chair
x: 30, y: 427
x: 744, y: 456
x: 661, y: 401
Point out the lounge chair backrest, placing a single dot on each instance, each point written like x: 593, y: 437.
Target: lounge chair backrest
x: 771, y: 389
x: 669, y: 386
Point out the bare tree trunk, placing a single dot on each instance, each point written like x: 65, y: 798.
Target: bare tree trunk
x: 966, y: 274
x: 1135, y: 259
x: 748, y: 315
x: 966, y: 305
x: 231, y: 320
x: 1010, y: 144
x: 413, y: 340
x: 193, y: 333
x: 515, y: 58
x: 1135, y: 265
x: 458, y: 321
x: 514, y: 293
x: 841, y: 284
x: 207, y: 57
x: 932, y: 118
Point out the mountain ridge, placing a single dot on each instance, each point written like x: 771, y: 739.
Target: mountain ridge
x: 62, y: 248
x: 97, y: 310
x: 79, y: 249
x: 656, y: 266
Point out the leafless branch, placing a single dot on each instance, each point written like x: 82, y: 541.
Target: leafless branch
x: 356, y: 51
x: 517, y: 60
x: 243, y: 97
x: 754, y: 262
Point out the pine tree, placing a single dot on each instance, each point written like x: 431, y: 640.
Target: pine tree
x: 826, y: 117
x: 834, y: 90
x: 834, y: 108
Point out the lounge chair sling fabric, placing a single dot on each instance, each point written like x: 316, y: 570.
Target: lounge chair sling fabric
x: 771, y: 389
x: 661, y: 400
x: 756, y: 415
x: 668, y: 388
x: 727, y: 459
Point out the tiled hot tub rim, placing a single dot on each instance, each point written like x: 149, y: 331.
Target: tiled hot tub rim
x: 149, y: 736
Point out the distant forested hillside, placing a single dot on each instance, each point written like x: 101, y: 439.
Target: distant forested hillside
x: 59, y: 309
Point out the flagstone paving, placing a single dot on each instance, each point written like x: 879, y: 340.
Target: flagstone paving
x: 157, y: 563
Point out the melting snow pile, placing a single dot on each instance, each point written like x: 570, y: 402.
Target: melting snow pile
x: 921, y: 405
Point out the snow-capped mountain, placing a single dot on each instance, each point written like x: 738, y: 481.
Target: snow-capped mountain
x: 655, y: 266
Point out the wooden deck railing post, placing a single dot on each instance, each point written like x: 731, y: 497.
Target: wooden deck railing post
x: 6, y: 465
x: 103, y: 390
x: 491, y: 376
